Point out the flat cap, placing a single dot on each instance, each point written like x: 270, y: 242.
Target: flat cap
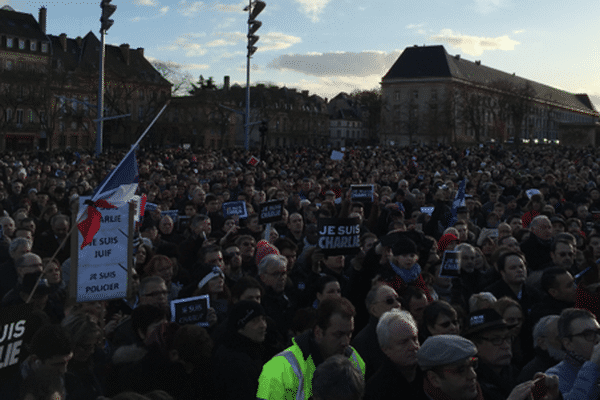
x: 442, y: 350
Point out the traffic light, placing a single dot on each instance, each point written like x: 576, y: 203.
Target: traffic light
x: 107, y: 10
x: 253, y: 25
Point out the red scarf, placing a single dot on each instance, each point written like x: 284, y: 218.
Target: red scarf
x: 437, y: 394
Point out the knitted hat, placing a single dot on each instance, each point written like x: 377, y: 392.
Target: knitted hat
x: 208, y: 272
x: 442, y: 350
x: 263, y: 249
x: 243, y: 312
x: 445, y: 240
x: 404, y: 246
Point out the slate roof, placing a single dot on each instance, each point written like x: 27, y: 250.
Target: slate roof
x: 14, y: 23
x: 85, y: 57
x: 434, y: 62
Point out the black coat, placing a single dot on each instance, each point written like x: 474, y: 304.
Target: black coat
x: 367, y: 345
x: 389, y: 383
x: 537, y: 252
x: 237, y: 364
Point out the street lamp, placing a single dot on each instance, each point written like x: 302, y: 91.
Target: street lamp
x: 105, y: 23
x: 254, y: 8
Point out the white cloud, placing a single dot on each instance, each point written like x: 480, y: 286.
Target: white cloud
x: 413, y: 26
x: 312, y: 8
x: 474, y: 45
x: 164, y: 10
x: 337, y: 64
x: 331, y: 86
x: 277, y: 41
x: 519, y: 31
x: 193, y: 8
x: 178, y: 66
x: 227, y: 22
x: 148, y: 3
x: 184, y: 43
x: 488, y: 6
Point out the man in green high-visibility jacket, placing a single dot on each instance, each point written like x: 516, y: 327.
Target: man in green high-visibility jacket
x: 289, y: 374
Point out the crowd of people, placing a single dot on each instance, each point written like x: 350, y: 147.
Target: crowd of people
x: 289, y: 320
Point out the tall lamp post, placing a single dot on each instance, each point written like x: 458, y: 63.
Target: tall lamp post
x: 105, y: 23
x: 254, y: 8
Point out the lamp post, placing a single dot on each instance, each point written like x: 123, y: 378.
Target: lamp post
x: 105, y: 23
x: 254, y: 8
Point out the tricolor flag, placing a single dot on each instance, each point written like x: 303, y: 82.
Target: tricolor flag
x: 459, y: 201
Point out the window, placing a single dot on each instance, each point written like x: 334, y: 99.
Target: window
x: 30, y: 117
x: 9, y: 43
x: 141, y: 113
x: 9, y: 114
x: 62, y: 128
x: 74, y: 125
x: 44, y: 47
x: 415, y: 94
x: 21, y: 44
x: 33, y: 46
x: 433, y: 95
x: 9, y: 65
x: 43, y: 117
x: 19, y: 118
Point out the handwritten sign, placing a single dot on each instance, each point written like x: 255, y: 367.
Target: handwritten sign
x: 339, y: 235
x: 102, y: 265
x: 13, y: 323
x: 450, y: 264
x: 235, y: 208
x: 362, y: 192
x: 270, y: 211
x: 192, y: 310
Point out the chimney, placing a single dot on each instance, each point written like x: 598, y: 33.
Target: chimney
x: 305, y: 93
x: 141, y: 51
x: 79, y: 40
x: 478, y: 62
x: 125, y: 52
x: 226, y: 83
x: 63, y: 41
x: 42, y: 18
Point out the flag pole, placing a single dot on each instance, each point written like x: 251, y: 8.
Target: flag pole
x: 130, y: 151
x: 94, y: 199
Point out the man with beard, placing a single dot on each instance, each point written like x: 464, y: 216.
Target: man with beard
x: 548, y: 350
x: 289, y: 374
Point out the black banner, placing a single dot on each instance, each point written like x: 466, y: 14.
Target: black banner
x: 192, y: 310
x: 270, y: 211
x: 339, y: 236
x: 13, y: 322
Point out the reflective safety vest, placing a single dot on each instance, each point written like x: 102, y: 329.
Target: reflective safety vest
x: 288, y: 376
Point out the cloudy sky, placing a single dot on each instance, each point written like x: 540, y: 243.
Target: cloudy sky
x: 329, y: 46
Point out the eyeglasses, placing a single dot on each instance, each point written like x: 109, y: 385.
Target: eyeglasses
x: 565, y: 254
x: 157, y: 293
x: 390, y: 300
x: 448, y: 323
x: 497, y: 341
x: 589, y: 334
x: 462, y: 370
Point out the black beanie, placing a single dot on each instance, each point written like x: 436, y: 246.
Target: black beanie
x: 404, y: 246
x: 243, y: 312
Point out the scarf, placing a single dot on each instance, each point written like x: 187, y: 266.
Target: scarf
x: 436, y: 394
x: 407, y: 275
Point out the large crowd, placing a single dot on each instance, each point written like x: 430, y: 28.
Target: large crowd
x: 289, y: 320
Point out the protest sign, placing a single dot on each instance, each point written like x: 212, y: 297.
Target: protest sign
x: 270, y: 211
x: 450, y: 264
x: 13, y: 323
x: 337, y: 155
x: 101, y: 269
x: 192, y: 310
x: 339, y: 235
x: 235, y: 208
x: 174, y: 214
x: 362, y: 192
x: 427, y: 210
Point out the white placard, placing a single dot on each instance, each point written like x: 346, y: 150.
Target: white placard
x: 102, y: 265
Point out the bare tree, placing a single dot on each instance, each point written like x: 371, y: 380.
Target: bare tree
x: 174, y: 73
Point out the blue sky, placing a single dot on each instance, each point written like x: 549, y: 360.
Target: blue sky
x: 329, y: 46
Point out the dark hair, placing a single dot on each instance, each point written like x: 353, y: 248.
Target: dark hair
x: 193, y: 344
x: 145, y: 315
x: 50, y: 341
x: 548, y: 280
x: 170, y: 250
x: 42, y: 382
x: 205, y: 250
x: 338, y: 378
x: 556, y: 242
x: 323, y: 280
x: 285, y: 243
x: 333, y: 305
x: 502, y: 259
x: 433, y: 310
x: 411, y: 292
x: 567, y: 316
x: 243, y: 284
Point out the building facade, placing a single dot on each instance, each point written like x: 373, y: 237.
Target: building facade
x: 430, y: 96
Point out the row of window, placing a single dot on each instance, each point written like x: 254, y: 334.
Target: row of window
x: 433, y: 95
x: 24, y: 44
x: 19, y: 116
